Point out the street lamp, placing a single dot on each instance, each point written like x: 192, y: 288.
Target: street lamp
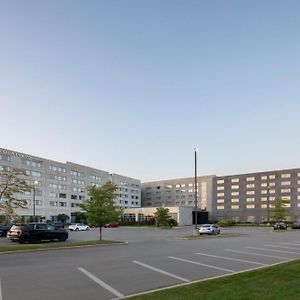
x: 195, y: 231
x: 35, y: 183
x: 268, y: 205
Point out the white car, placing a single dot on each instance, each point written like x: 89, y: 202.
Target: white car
x: 209, y: 229
x: 79, y: 226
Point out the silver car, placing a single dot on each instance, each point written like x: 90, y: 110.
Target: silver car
x: 209, y: 229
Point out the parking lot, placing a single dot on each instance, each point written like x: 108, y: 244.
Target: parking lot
x: 151, y: 259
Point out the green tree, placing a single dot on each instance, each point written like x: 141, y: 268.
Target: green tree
x: 161, y: 216
x: 280, y: 211
x: 63, y: 218
x: 79, y: 217
x: 12, y: 182
x: 100, y: 208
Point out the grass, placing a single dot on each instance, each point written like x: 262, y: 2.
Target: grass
x: 12, y: 247
x: 207, y: 236
x: 279, y: 282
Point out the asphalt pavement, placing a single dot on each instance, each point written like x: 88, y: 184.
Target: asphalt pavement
x: 151, y: 259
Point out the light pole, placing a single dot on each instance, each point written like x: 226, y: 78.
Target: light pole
x: 195, y: 231
x: 35, y: 183
x: 268, y: 205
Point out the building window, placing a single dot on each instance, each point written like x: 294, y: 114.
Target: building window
x: 264, y: 184
x: 235, y: 180
x: 250, y: 199
x: 264, y: 177
x: 285, y: 190
x: 234, y: 187
x: 250, y: 192
x: 220, y: 188
x: 220, y: 194
x: 235, y: 206
x: 220, y: 207
x: 249, y: 186
x: 285, y: 175
x: 285, y: 183
x: 220, y: 201
x: 220, y: 181
x: 250, y: 206
x: 264, y: 199
x: 234, y: 193
x: 234, y: 200
x: 288, y: 198
x: 250, y: 179
x: 272, y: 176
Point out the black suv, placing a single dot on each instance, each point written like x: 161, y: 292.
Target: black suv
x: 36, y: 232
x: 4, y: 229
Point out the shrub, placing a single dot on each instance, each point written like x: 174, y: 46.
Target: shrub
x: 173, y: 222
x: 226, y: 222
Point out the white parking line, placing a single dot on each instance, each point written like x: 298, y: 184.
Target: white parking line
x: 284, y: 247
x: 160, y: 271
x: 273, y: 250
x: 235, y: 259
x: 292, y: 244
x: 1, y: 298
x: 200, y: 264
x: 100, y: 282
x: 259, y: 254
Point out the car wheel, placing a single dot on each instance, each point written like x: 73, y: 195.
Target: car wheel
x: 77, y: 229
x: 88, y: 228
x: 63, y: 238
x: 32, y: 240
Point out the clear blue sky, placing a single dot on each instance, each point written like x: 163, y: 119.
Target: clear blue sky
x: 133, y: 86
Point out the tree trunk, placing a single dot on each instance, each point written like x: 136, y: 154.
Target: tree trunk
x: 100, y: 233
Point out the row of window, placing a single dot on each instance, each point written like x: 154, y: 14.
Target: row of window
x: 253, y: 199
x: 263, y: 192
x: 249, y: 206
x: 264, y: 177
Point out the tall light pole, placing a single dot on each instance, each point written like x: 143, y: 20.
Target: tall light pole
x: 195, y: 231
x: 268, y: 205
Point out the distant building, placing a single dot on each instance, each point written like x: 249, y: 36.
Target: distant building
x: 250, y: 197
x: 60, y: 187
x: 179, y: 192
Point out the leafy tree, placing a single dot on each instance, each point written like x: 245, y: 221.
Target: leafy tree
x: 280, y: 211
x: 100, y: 208
x: 11, y: 183
x: 161, y: 216
x: 79, y: 217
x: 63, y: 218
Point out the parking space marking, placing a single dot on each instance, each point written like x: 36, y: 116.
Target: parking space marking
x: 284, y: 247
x: 292, y: 244
x: 235, y: 259
x: 259, y: 254
x: 273, y: 250
x: 160, y: 271
x: 200, y: 264
x: 100, y: 282
x: 1, y: 298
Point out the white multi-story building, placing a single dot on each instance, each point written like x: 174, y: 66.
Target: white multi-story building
x: 60, y: 187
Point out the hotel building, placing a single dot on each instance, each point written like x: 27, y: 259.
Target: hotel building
x: 60, y: 187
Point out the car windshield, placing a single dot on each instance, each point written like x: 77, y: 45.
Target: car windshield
x: 206, y: 226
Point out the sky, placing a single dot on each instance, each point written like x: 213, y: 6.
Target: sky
x: 133, y: 86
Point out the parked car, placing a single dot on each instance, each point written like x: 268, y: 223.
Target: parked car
x: 296, y: 225
x: 79, y: 227
x: 36, y: 232
x: 280, y: 226
x: 4, y: 229
x: 111, y: 224
x: 58, y: 225
x: 209, y: 229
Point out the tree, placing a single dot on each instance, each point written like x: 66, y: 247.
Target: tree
x: 280, y: 210
x: 62, y: 218
x: 12, y: 183
x: 162, y: 216
x: 100, y: 208
x: 79, y: 217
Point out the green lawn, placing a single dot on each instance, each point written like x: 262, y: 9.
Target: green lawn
x: 44, y: 246
x: 280, y: 282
